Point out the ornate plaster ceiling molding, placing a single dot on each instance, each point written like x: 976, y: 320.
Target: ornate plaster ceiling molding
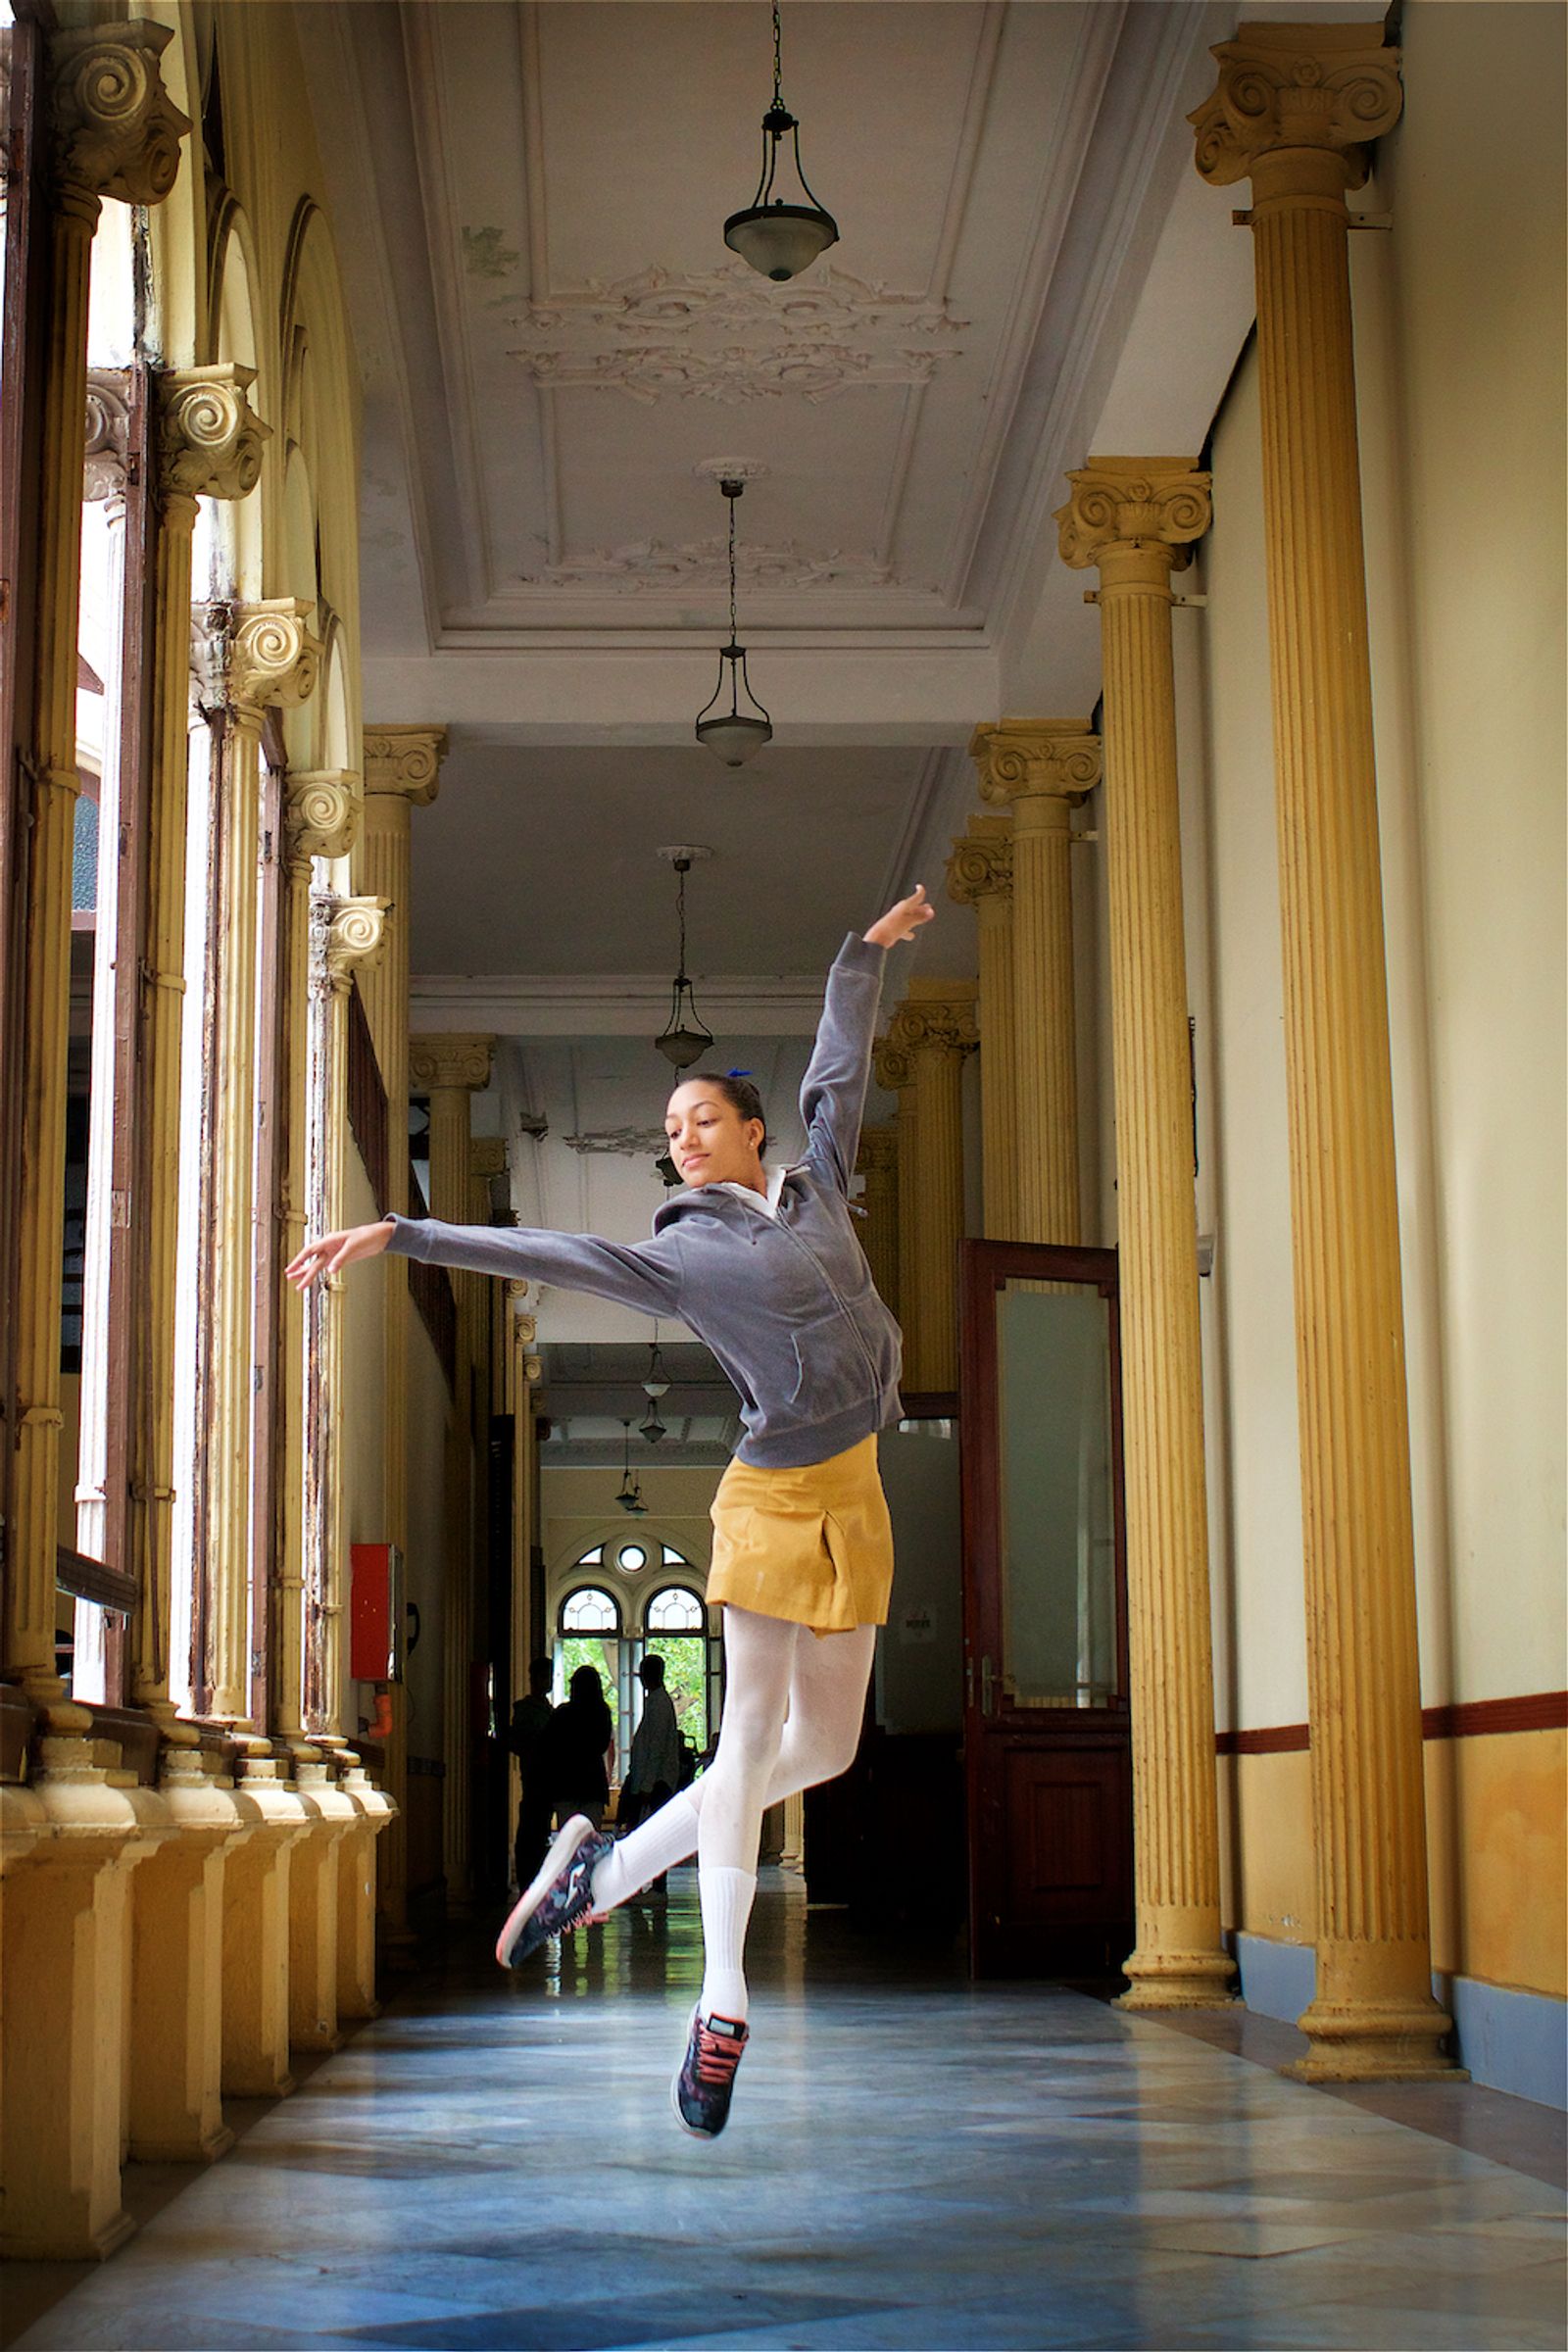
x: 627, y: 1142
x: 701, y: 563
x: 725, y: 336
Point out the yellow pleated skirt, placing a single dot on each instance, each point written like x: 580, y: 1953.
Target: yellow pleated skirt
x: 812, y: 1545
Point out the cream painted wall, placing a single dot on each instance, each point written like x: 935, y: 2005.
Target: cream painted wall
x: 363, y: 1432
x: 1460, y: 390
x: 578, y: 1509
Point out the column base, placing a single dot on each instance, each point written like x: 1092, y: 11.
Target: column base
x: 1390, y: 2041
x: 1179, y: 1980
x: 175, y: 2058
x: 256, y: 1938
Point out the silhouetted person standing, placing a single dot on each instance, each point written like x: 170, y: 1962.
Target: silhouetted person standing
x: 530, y: 1723
x: 575, y: 1755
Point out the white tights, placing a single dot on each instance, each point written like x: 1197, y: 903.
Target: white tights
x: 792, y: 1708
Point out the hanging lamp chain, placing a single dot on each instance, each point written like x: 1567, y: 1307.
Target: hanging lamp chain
x: 732, y: 571
x: 778, y: 63
x: 680, y: 912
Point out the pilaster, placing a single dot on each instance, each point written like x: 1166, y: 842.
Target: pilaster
x: 1135, y: 518
x: 268, y: 657
x: 402, y: 772
x: 1294, y: 109
x: 980, y: 876
x: 935, y: 1027
x: 1041, y: 769
x: 116, y: 134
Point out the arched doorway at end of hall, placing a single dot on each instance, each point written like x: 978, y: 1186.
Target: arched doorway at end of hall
x: 622, y: 1601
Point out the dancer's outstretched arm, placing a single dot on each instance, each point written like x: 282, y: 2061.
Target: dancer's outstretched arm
x: 833, y: 1092
x: 645, y: 1275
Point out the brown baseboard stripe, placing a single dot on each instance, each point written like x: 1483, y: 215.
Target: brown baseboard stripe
x: 1472, y: 1719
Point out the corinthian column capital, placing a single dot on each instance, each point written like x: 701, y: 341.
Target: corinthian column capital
x: 893, y: 1064
x: 117, y: 132
x: 936, y: 1016
x: 108, y: 446
x: 405, y: 762
x: 353, y: 936
x: 272, y: 657
x: 436, y: 1063
x: 1020, y: 759
x: 981, y: 863
x: 879, y: 1151
x: 1134, y: 503
x: 209, y: 436
x: 321, y: 814
x: 487, y: 1156
x: 1317, y: 89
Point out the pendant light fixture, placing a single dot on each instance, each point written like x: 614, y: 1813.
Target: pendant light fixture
x: 779, y: 240
x: 685, y: 1037
x: 657, y: 1383
x: 630, y: 1498
x: 734, y: 728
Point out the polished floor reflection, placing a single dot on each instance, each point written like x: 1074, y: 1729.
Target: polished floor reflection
x: 914, y: 2162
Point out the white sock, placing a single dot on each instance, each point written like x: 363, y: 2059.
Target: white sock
x: 726, y: 1896
x: 646, y: 1852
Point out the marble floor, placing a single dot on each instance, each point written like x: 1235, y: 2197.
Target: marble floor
x: 914, y: 2162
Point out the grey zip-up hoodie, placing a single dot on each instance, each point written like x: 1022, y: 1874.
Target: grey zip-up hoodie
x: 785, y: 1302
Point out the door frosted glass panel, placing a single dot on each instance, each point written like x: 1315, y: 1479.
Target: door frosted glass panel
x: 1058, y: 1508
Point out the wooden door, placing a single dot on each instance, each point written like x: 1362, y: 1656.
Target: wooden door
x: 1048, y: 1759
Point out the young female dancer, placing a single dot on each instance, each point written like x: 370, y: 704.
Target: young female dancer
x: 765, y: 1266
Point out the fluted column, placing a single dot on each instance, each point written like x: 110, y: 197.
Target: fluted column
x: 321, y: 819
x: 980, y: 876
x: 402, y: 772
x: 1293, y: 106
x: 449, y: 1070
x: 935, y: 1027
x: 115, y: 133
x: 893, y: 1066
x: 347, y: 938
x: 270, y: 657
x: 1042, y: 769
x: 1136, y: 519
x: 209, y: 444
x: 879, y: 1234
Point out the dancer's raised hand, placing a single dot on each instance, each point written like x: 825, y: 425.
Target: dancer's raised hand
x: 334, y: 1251
x: 902, y: 920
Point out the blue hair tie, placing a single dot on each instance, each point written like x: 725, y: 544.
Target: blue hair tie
x: 737, y: 1073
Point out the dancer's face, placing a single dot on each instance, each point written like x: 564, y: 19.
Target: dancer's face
x: 709, y: 1140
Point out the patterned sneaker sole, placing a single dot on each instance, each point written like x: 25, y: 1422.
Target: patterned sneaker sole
x: 556, y: 1861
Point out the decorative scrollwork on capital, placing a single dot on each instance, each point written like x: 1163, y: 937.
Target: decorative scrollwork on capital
x: 893, y: 1064
x: 1126, y: 501
x: 487, y: 1156
x: 405, y: 761
x: 321, y: 814
x: 117, y: 130
x: 936, y: 1024
x: 439, y: 1062
x: 1020, y: 758
x: 981, y: 863
x: 210, y: 438
x: 879, y: 1151
x: 272, y: 657
x: 355, y: 937
x: 108, y: 449
x: 1282, y: 87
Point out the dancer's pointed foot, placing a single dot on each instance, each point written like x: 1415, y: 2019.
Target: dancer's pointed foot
x: 560, y: 1898
x: 702, y: 2090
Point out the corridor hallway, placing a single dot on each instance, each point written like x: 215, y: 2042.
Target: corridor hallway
x: 914, y: 2161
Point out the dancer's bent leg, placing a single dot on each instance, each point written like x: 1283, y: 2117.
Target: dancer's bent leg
x: 826, y: 1707
x: 760, y: 1661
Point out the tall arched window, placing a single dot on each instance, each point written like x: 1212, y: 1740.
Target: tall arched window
x: 676, y: 1628
x: 589, y: 1634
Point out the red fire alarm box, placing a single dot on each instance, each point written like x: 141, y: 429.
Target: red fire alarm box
x: 376, y: 1613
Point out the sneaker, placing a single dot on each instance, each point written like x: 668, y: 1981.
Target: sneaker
x: 562, y: 1895
x: 701, y: 2091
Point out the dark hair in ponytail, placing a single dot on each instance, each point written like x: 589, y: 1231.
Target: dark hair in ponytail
x: 738, y: 1092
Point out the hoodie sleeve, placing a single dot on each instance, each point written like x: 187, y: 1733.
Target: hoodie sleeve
x: 645, y: 1275
x: 833, y: 1095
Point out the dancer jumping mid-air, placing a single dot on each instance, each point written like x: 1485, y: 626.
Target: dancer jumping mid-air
x: 765, y: 1265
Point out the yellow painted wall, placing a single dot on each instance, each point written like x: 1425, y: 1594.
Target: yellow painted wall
x: 429, y: 1411
x: 1495, y: 1843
